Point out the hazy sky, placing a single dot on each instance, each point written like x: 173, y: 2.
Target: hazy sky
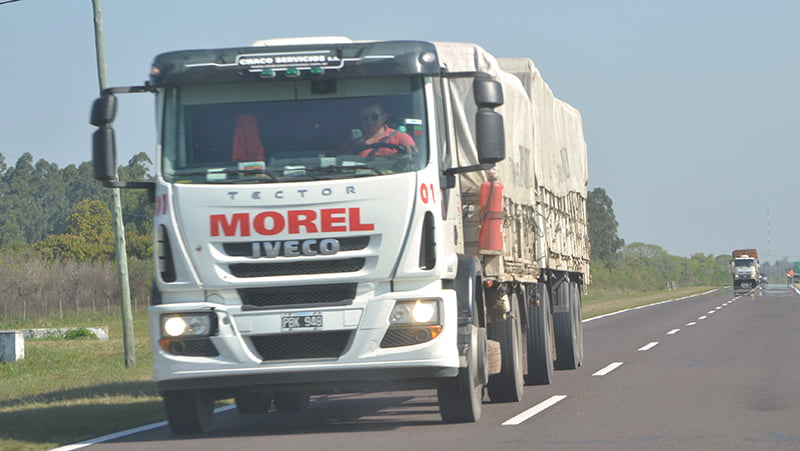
x: 690, y: 107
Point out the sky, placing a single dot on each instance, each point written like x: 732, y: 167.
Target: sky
x: 691, y: 109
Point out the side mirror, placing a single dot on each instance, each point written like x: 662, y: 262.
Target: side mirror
x: 489, y: 129
x: 104, y: 154
x: 104, y: 110
x: 490, y: 136
x: 488, y: 93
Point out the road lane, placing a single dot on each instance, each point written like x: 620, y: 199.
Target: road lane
x: 726, y: 382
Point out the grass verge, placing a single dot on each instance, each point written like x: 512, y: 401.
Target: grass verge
x: 603, y: 302
x: 65, y: 391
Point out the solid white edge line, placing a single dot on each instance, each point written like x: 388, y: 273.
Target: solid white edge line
x: 549, y: 402
x: 648, y: 346
x: 116, y: 435
x: 609, y: 368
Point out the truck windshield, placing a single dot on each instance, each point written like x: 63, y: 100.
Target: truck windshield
x: 744, y: 262
x: 286, y: 131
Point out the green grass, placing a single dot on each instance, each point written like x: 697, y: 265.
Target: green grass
x: 603, y: 302
x: 65, y: 391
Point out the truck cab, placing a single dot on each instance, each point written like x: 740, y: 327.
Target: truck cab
x: 293, y: 255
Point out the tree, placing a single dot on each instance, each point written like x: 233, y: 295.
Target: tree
x: 89, y: 235
x: 137, y: 208
x: 602, y: 226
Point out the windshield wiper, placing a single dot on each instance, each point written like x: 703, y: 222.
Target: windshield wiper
x: 270, y: 175
x: 341, y: 168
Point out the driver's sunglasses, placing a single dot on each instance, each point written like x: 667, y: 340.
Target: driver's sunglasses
x: 373, y: 116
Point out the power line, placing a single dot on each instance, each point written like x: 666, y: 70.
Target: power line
x: 9, y: 1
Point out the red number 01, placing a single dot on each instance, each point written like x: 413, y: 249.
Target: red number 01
x: 426, y: 193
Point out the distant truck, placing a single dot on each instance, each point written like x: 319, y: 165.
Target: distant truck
x: 287, y: 267
x: 745, y: 269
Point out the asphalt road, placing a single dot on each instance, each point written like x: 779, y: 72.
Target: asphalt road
x: 714, y: 372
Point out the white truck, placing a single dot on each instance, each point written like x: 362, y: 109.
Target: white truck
x: 745, y: 269
x: 286, y: 267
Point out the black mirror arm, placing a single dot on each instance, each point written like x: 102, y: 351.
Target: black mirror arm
x: 149, y: 186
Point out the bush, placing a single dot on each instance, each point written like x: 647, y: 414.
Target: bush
x: 80, y: 333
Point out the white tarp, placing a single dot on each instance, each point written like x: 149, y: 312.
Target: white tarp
x: 544, y: 135
x: 546, y: 161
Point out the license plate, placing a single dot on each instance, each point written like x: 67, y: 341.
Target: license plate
x: 291, y: 321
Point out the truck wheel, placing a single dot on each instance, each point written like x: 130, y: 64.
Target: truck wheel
x: 507, y: 386
x: 253, y: 403
x: 291, y: 401
x: 189, y: 411
x: 540, y: 339
x: 461, y: 397
x: 567, y: 324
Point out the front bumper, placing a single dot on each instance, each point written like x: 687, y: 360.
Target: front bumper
x: 361, y: 364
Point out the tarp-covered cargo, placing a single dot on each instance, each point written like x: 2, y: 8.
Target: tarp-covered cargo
x: 545, y: 172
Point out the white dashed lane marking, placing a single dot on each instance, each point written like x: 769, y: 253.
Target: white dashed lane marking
x: 648, y: 346
x: 538, y: 408
x: 608, y: 369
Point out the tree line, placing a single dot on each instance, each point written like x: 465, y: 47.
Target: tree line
x: 636, y: 267
x: 57, y: 242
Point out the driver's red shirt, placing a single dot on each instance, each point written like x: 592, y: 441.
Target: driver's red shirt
x: 399, y: 138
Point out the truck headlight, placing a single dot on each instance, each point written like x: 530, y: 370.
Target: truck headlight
x: 187, y: 325
x: 417, y: 312
x: 412, y: 322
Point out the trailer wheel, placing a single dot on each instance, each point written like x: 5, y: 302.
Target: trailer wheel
x: 567, y: 324
x: 507, y: 386
x: 253, y: 403
x: 189, y: 411
x: 540, y: 339
x: 291, y: 401
x: 461, y: 397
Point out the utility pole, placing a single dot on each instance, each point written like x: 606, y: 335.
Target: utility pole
x: 119, y: 227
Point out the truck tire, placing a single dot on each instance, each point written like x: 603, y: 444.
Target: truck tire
x: 291, y: 401
x: 189, y: 411
x: 461, y: 397
x: 567, y: 328
x: 508, y: 385
x: 539, y: 338
x: 253, y: 403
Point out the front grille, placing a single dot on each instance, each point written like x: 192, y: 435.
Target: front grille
x: 312, y: 345
x: 297, y: 268
x: 355, y: 243
x: 317, y: 295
